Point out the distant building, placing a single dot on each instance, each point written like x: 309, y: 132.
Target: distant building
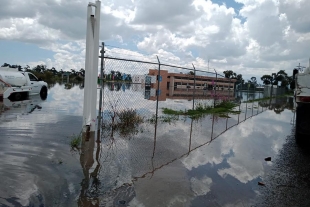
x: 181, y: 86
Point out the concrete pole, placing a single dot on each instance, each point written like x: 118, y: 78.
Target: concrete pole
x: 91, y: 66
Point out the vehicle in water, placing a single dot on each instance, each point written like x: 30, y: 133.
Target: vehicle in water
x: 15, y: 84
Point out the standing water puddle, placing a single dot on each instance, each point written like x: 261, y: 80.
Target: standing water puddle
x: 168, y: 161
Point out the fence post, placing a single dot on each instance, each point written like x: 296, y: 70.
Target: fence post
x: 194, y: 86
x: 102, y: 51
x: 229, y: 87
x: 215, y: 87
x: 157, y: 92
x: 91, y: 66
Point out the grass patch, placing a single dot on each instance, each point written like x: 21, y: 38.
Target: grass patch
x: 76, y: 141
x: 172, y: 112
x: 200, y: 110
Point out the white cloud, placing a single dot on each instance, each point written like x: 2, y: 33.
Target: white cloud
x: 263, y: 37
x: 201, y: 186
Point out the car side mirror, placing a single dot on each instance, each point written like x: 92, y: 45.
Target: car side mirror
x: 40, y: 79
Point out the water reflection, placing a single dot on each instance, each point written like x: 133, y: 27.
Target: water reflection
x: 138, y: 158
x: 162, y: 156
x: 10, y: 109
x: 90, y: 185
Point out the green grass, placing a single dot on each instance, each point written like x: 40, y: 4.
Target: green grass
x: 222, y: 108
x: 76, y: 141
x: 172, y: 112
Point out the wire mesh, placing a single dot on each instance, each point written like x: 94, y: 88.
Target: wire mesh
x: 138, y: 90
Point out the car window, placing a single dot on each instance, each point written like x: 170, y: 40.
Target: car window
x: 32, y: 77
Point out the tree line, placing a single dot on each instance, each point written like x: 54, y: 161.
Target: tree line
x: 280, y: 79
x: 50, y: 74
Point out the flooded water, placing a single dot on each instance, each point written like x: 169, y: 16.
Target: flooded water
x: 163, y: 161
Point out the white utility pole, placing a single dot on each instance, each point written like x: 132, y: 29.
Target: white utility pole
x: 91, y: 66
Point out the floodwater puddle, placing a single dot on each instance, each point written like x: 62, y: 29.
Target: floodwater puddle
x: 138, y: 158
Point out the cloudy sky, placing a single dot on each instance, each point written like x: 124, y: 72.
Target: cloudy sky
x: 251, y: 37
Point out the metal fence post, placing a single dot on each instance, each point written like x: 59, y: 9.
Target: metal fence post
x: 229, y: 87
x: 157, y: 92
x: 215, y: 87
x: 101, y: 86
x: 194, y: 86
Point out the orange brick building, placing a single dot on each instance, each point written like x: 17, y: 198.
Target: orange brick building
x: 181, y: 86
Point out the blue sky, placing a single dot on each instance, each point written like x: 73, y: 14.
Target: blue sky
x: 18, y: 53
x: 251, y: 37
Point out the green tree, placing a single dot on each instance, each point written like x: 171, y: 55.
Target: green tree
x: 6, y: 65
x: 229, y: 74
x: 27, y: 68
x: 267, y: 79
x: 239, y: 79
x: 275, y: 78
x: 252, y: 83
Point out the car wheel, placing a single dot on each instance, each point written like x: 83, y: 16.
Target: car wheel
x: 43, y: 93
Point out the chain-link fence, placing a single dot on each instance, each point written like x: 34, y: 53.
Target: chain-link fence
x: 271, y: 91
x: 142, y: 86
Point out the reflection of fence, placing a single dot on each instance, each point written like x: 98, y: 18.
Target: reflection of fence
x: 149, y: 152
x: 270, y: 91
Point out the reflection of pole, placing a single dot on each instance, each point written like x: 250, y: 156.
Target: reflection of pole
x: 212, y: 127
x: 246, y: 109
x: 226, y: 122
x: 252, y: 107
x: 190, y: 137
x: 87, y: 161
x: 194, y: 87
x: 155, y: 133
x: 239, y: 113
x: 270, y: 103
x: 154, y: 147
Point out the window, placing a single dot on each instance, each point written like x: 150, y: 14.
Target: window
x: 32, y: 77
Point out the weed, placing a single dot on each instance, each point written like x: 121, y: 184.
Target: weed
x: 125, y: 122
x: 129, y: 118
x: 76, y: 141
x: 169, y: 119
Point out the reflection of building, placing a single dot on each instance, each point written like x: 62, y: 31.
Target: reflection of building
x: 181, y: 86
